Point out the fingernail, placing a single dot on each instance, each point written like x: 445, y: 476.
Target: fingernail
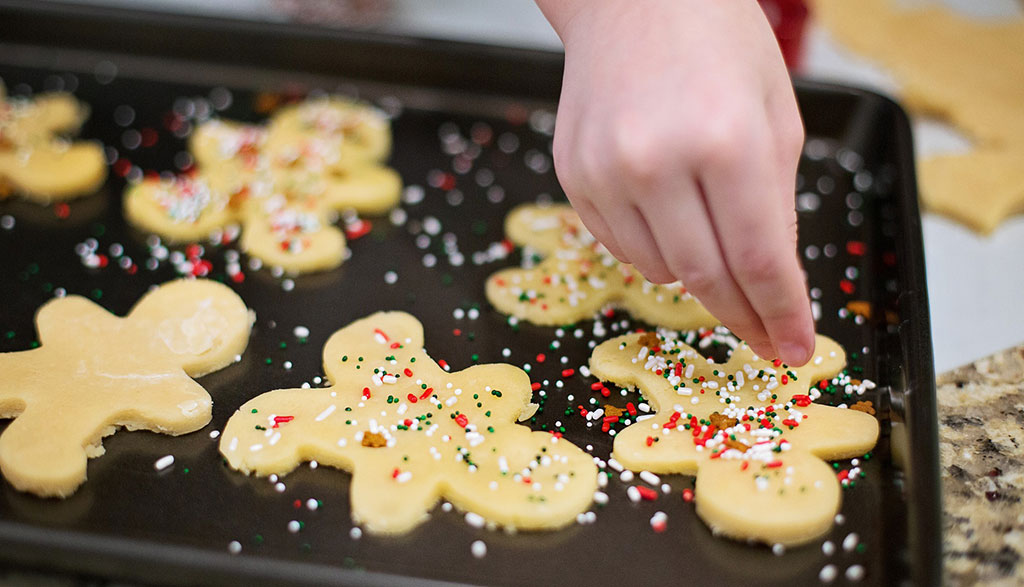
x: 794, y: 354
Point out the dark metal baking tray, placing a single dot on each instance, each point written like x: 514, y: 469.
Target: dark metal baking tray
x: 859, y: 231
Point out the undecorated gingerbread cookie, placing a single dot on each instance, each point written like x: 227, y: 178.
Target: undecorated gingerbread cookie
x: 968, y: 71
x: 314, y: 159
x: 34, y: 161
x: 578, y: 277
x: 95, y: 372
x: 748, y: 429
x: 411, y: 433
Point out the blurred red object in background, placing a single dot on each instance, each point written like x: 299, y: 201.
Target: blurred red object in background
x: 787, y: 18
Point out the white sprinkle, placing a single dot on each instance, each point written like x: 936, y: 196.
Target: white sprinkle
x: 840, y: 519
x: 778, y: 549
x: 390, y: 277
x: 479, y: 549
x: 163, y: 462
x: 828, y: 574
x: 615, y: 465
x: 475, y: 520
x: 650, y: 478
x: 828, y: 548
x: 279, y: 487
x: 294, y: 526
x: 633, y: 493
x: 312, y: 504
x: 600, y: 497
x: 327, y: 412
x: 300, y: 332
x: 851, y: 541
x: 214, y: 433
x: 355, y: 533
x: 855, y: 573
x: 234, y: 547
x: 626, y: 476
x: 404, y: 477
x: 313, y: 464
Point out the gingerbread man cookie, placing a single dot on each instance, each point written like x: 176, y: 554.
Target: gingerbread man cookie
x: 578, y: 276
x: 314, y: 160
x: 411, y: 433
x: 95, y: 372
x: 34, y: 161
x: 747, y: 429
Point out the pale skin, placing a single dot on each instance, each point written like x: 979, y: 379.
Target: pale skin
x: 677, y: 142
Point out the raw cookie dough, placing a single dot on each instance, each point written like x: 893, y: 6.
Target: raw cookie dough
x: 95, y: 372
x: 315, y: 159
x: 967, y: 71
x: 34, y: 161
x: 758, y: 458
x: 578, y: 277
x: 411, y: 433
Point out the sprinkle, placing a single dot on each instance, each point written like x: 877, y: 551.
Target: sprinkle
x: 850, y: 542
x: 828, y: 548
x: 475, y: 520
x: 355, y: 533
x: 234, y: 547
x: 828, y: 574
x: 301, y: 332
x: 312, y: 504
x: 294, y: 526
x: 327, y: 412
x: 687, y: 495
x: 646, y: 493
x: 855, y: 573
x: 633, y: 493
x: 650, y: 478
x: 659, y: 521
x: 163, y: 462
x: 778, y: 549
x: 478, y: 548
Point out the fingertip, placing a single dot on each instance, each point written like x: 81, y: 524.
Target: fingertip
x: 795, y: 352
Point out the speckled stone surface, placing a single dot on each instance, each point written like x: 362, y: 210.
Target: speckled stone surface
x: 981, y: 446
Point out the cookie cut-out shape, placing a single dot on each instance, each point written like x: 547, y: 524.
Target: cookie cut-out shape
x: 94, y: 372
x: 577, y: 277
x: 747, y: 429
x: 965, y: 70
x: 284, y: 183
x: 34, y: 161
x: 411, y: 433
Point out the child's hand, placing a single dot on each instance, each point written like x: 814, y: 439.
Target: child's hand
x: 677, y: 142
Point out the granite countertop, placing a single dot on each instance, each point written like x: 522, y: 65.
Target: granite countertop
x: 981, y: 447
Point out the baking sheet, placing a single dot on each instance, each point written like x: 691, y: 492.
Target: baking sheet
x: 176, y: 526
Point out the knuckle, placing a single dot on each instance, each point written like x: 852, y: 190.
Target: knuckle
x: 725, y: 139
x: 640, y: 153
x: 758, y: 266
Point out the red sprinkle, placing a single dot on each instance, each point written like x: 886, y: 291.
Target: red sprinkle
x: 358, y: 229
x: 774, y: 464
x: 535, y: 385
x: 595, y: 386
x: 631, y: 409
x: 688, y: 495
x: 461, y: 420
x: 541, y: 358
x: 278, y: 420
x: 646, y: 493
x: 366, y: 393
x: 650, y: 441
x: 62, y: 210
x: 412, y: 398
x: 395, y: 473
x: 568, y: 372
x: 426, y: 393
x: 408, y: 372
x: 847, y: 286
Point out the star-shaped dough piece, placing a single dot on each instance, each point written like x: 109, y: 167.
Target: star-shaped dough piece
x: 95, y: 372
x: 34, y: 161
x: 411, y: 433
x: 747, y: 429
x: 578, y: 277
x: 283, y: 183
